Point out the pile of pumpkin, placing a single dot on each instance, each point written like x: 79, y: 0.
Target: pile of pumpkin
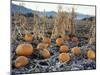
x: 24, y: 50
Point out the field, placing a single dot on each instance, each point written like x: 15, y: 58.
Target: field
x: 58, y: 42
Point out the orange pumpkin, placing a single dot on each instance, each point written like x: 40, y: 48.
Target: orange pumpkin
x: 76, y: 51
x: 28, y: 37
x: 24, y: 50
x: 65, y: 37
x: 45, y: 53
x: 42, y: 46
x: 63, y: 48
x: 75, y: 39
x: 91, y: 54
x: 59, y: 41
x: 64, y: 57
x: 21, y: 61
x: 46, y: 40
x: 49, y: 31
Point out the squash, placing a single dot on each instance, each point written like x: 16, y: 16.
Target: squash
x: 74, y: 39
x: 64, y: 57
x: 63, y: 48
x: 42, y: 46
x: 91, y: 54
x: 46, y: 40
x: 59, y: 41
x: 45, y: 53
x: 21, y: 61
x: 28, y: 37
x: 24, y: 49
x: 76, y: 51
x: 65, y: 37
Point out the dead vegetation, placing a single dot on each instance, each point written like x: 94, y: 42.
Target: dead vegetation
x: 61, y: 41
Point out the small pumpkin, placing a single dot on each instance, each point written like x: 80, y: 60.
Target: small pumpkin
x: 63, y: 48
x: 28, y: 37
x: 45, y: 53
x: 65, y: 37
x: 76, y: 51
x: 42, y: 46
x: 21, y: 61
x: 49, y: 31
x: 64, y: 57
x: 24, y: 49
x: 75, y: 39
x: 91, y: 54
x: 59, y: 41
x: 46, y: 40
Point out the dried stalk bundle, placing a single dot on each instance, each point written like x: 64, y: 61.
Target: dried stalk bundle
x: 73, y: 28
x: 64, y: 23
x: 20, y: 23
x: 36, y: 26
x: 44, y: 24
x: 92, y: 38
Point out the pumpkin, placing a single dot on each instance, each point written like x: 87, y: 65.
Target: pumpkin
x: 21, y: 61
x: 28, y: 37
x: 64, y: 57
x: 75, y: 39
x: 42, y: 46
x: 76, y: 51
x: 91, y: 54
x: 49, y: 31
x: 59, y: 41
x: 46, y: 40
x: 65, y: 37
x: 24, y: 49
x: 45, y: 53
x: 63, y: 48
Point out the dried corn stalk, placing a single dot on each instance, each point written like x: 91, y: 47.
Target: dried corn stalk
x: 60, y: 25
x: 20, y: 23
x: 44, y: 24
x: 36, y: 26
x: 92, y: 39
x: 73, y: 27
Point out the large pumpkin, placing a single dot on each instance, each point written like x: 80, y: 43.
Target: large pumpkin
x: 28, y: 37
x: 21, y: 61
x: 64, y: 57
x: 76, y: 51
x: 59, y: 41
x: 91, y: 54
x: 63, y: 48
x: 24, y: 49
